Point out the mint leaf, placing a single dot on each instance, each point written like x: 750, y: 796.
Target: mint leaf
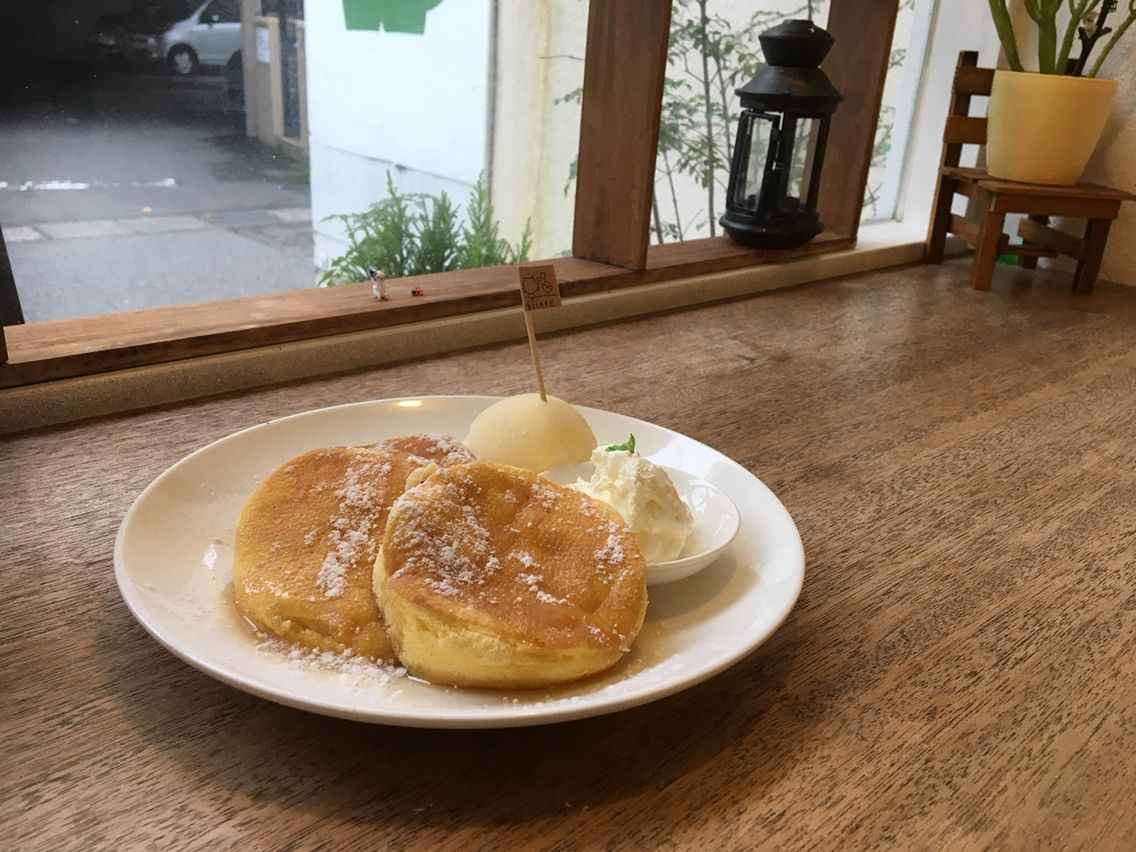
x: 628, y: 446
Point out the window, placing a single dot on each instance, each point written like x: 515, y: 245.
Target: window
x: 611, y: 211
x: 713, y: 49
x: 470, y: 120
x: 127, y: 180
x: 901, y: 92
x: 222, y: 12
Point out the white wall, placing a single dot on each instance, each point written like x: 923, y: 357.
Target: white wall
x: 414, y: 104
x: 540, y: 50
x: 956, y: 27
x: 1114, y: 162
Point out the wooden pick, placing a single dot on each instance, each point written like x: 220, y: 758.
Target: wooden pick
x: 539, y: 290
x: 535, y: 357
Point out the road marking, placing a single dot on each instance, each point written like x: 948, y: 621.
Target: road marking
x: 57, y: 185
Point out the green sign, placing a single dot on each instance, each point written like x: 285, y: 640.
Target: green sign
x: 394, y: 16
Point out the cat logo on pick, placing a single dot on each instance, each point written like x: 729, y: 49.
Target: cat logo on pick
x: 538, y: 287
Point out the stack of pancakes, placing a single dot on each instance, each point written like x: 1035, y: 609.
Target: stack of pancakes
x: 479, y: 575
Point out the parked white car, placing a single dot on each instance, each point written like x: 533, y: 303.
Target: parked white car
x: 210, y: 36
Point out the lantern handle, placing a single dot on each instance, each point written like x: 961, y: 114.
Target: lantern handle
x: 810, y: 11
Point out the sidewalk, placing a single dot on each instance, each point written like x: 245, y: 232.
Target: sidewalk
x: 75, y: 268
x: 155, y: 224
x: 146, y: 192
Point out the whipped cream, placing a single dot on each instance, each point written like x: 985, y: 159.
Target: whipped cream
x: 644, y: 495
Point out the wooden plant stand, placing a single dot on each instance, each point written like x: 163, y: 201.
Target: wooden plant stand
x: 995, y: 198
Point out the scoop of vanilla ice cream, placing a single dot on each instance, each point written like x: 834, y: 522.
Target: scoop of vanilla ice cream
x: 644, y: 495
x: 526, y: 431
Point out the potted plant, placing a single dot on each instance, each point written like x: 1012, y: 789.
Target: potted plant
x: 1044, y: 125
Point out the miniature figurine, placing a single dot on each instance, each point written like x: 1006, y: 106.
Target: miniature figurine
x: 379, y: 284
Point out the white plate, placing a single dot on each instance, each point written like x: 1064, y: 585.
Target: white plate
x: 716, y: 521
x: 173, y: 563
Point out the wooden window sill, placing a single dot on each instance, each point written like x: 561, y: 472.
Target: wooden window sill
x: 61, y: 349
x: 184, y: 378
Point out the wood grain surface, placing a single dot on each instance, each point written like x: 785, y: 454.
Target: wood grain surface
x: 959, y: 672
x: 57, y: 349
x: 857, y: 66
x: 625, y: 70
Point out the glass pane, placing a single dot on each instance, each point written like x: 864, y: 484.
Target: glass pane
x: 714, y: 49
x: 539, y: 74
x: 801, y: 163
x: 456, y: 114
x: 749, y: 183
x: 901, y: 90
x: 147, y: 159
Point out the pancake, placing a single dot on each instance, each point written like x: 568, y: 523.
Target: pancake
x: 307, y: 540
x: 428, y: 451
x: 492, y: 576
x: 306, y: 544
x: 442, y: 450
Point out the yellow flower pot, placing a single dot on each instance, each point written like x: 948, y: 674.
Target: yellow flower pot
x: 1043, y: 127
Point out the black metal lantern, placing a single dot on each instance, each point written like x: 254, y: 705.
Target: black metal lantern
x: 782, y: 132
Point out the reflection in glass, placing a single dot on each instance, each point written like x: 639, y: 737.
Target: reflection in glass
x: 755, y: 134
x: 800, y: 165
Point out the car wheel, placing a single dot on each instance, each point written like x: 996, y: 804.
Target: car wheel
x: 183, y: 60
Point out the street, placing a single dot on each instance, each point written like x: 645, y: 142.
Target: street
x: 142, y: 190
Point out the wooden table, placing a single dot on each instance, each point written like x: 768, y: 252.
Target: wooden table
x: 960, y: 671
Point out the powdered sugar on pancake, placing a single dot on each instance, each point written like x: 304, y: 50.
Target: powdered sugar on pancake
x: 612, y: 552
x: 439, y: 541
x: 450, y: 450
x: 350, y: 538
x: 453, y: 560
x: 427, y: 447
x: 358, y: 669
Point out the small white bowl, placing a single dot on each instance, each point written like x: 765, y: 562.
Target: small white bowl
x: 716, y: 521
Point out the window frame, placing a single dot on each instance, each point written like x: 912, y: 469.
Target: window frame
x: 624, y: 74
x: 889, y: 205
x: 221, y: 14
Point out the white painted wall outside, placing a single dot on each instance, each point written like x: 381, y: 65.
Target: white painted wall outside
x: 416, y: 105
x: 540, y: 53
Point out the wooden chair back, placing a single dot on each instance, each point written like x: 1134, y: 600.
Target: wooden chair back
x: 963, y: 128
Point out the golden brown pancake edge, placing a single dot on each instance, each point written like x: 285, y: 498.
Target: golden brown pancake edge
x: 494, y: 576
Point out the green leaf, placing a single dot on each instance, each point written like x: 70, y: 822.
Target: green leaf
x: 627, y: 446
x: 416, y: 234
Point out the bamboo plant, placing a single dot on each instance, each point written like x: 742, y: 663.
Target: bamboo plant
x: 1087, y: 23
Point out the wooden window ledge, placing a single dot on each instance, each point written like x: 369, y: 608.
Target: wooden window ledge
x: 60, y: 349
x: 290, y: 337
